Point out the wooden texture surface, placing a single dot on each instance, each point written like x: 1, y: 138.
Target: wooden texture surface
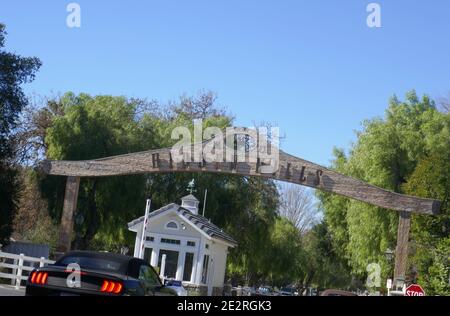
x: 70, y: 206
x: 401, y: 252
x: 290, y: 169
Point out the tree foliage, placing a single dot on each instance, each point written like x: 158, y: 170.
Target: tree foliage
x: 32, y: 221
x: 431, y: 234
x: 15, y: 70
x: 389, y: 152
x: 325, y: 268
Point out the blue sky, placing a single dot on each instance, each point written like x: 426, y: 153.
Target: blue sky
x: 313, y: 68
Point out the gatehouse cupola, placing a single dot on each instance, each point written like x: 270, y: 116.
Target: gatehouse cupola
x: 190, y: 203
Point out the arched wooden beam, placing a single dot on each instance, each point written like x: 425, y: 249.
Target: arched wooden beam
x: 291, y: 169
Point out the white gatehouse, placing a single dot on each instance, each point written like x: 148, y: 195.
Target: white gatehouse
x: 196, y: 249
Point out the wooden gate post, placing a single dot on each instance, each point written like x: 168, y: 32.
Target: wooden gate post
x: 401, y: 251
x: 67, y: 217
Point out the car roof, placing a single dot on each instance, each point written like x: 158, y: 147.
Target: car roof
x: 131, y: 264
x: 98, y: 254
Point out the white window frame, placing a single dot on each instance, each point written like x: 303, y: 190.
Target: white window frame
x: 182, y: 248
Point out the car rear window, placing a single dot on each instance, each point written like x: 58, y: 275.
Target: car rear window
x: 112, y: 264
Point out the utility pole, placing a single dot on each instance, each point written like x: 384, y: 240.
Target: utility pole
x: 204, y: 203
x: 144, y: 229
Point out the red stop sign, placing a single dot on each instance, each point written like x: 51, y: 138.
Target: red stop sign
x: 415, y: 290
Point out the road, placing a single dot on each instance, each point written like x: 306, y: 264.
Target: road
x: 7, y: 290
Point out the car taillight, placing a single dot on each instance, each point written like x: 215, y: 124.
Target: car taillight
x: 39, y: 277
x: 111, y: 287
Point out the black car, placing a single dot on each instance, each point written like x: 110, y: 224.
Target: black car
x: 100, y: 273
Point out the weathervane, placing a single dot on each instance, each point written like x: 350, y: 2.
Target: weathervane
x: 191, y: 187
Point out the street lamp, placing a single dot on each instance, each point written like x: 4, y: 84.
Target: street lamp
x: 389, y: 253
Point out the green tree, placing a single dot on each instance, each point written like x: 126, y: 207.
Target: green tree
x: 14, y: 71
x: 386, y: 153
x: 431, y: 234
x: 31, y: 219
x: 284, y: 253
x: 324, y: 267
x: 94, y: 127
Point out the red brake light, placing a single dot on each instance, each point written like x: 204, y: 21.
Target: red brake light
x: 111, y: 287
x: 104, y: 286
x: 39, y: 277
x: 117, y: 288
x: 33, y: 276
x: 44, y: 278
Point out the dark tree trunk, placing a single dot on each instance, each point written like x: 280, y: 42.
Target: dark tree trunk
x: 92, y: 219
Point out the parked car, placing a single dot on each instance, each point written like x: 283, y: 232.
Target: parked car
x: 288, y: 291
x: 332, y: 292
x: 265, y: 291
x: 177, y: 286
x: 99, y: 273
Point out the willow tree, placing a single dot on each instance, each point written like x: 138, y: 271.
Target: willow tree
x: 386, y: 153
